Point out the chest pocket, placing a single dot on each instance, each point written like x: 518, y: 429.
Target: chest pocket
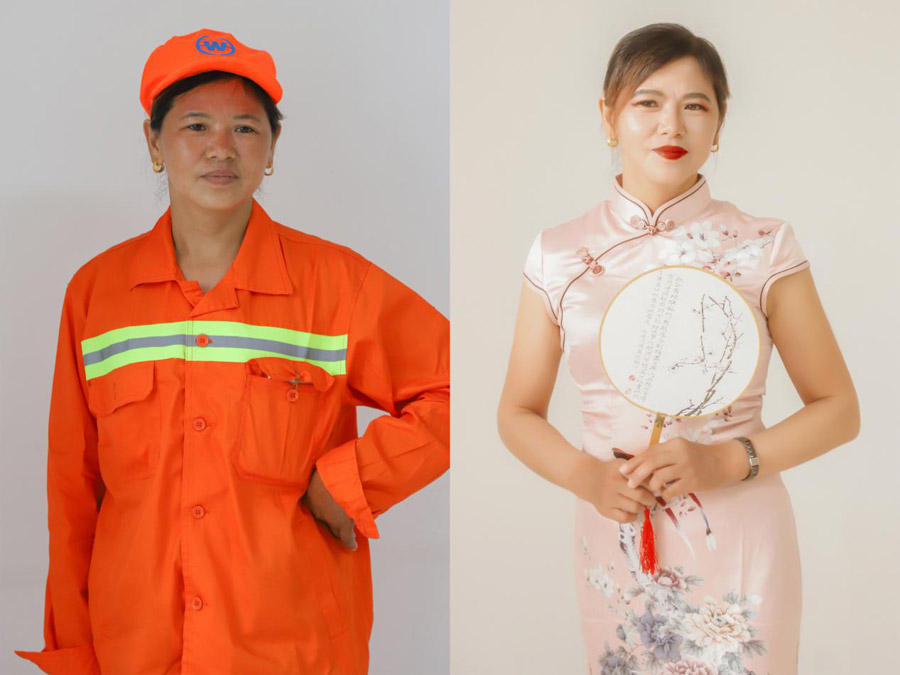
x: 286, y: 412
x: 129, y: 420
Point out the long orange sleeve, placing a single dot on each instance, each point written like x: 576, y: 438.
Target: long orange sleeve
x: 398, y: 360
x: 74, y: 490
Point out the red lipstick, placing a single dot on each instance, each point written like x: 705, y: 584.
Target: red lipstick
x: 671, y: 151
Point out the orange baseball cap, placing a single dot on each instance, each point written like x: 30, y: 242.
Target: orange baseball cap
x: 199, y: 52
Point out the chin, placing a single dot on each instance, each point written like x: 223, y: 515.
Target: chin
x: 218, y: 199
x: 672, y: 173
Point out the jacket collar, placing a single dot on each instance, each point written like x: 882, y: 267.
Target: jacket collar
x: 678, y: 209
x: 259, y: 265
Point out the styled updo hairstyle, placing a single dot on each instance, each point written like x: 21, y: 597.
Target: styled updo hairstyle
x: 645, y: 50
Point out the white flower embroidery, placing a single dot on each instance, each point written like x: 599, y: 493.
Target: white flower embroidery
x: 747, y: 251
x: 699, y: 244
x: 600, y: 580
x: 706, y: 236
x: 694, y: 245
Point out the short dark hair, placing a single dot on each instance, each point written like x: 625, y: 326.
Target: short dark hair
x: 162, y: 104
x: 645, y: 50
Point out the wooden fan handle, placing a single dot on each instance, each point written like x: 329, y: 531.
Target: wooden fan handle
x: 657, y: 428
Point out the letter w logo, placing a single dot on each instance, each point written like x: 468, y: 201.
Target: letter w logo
x: 214, y: 47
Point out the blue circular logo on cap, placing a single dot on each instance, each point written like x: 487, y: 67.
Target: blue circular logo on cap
x: 214, y: 46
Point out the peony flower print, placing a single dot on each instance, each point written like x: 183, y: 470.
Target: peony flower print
x: 658, y: 637
x: 716, y: 629
x: 618, y: 662
x: 669, y: 635
x: 688, y: 666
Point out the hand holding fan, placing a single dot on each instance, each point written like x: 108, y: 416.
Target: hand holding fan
x: 678, y: 341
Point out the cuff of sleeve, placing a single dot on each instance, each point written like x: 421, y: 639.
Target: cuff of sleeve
x: 340, y: 473
x: 68, y: 661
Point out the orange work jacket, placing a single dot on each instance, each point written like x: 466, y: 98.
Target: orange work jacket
x: 184, y: 428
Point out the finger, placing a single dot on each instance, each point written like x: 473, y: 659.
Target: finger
x: 348, y: 538
x: 676, y: 489
x: 335, y: 531
x: 644, y: 496
x: 623, y: 516
x: 638, y: 494
x: 641, y: 473
x: 629, y: 465
x: 660, y: 477
x: 629, y: 505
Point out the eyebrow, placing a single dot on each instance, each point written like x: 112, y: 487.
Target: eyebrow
x: 245, y: 116
x: 657, y: 92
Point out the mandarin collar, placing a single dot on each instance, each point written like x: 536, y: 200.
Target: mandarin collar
x: 258, y: 267
x: 638, y: 215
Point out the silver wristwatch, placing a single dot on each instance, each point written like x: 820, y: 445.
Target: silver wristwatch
x: 751, y: 455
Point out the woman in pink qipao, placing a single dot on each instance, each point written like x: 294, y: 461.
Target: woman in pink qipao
x: 725, y: 596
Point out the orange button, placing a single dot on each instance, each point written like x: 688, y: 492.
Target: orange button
x: 292, y: 395
x: 197, y: 602
x: 198, y: 511
x: 203, y: 340
x: 199, y: 424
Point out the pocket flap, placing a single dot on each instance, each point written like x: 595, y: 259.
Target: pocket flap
x: 291, y: 372
x: 120, y: 386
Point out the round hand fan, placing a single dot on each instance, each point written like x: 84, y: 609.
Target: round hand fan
x: 678, y: 341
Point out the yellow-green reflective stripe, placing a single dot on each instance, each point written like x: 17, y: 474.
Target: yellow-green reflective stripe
x: 230, y: 328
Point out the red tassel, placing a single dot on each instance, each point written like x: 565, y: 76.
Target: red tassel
x: 648, y: 547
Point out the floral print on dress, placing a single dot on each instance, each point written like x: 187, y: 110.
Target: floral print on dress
x: 700, y: 244
x: 669, y: 635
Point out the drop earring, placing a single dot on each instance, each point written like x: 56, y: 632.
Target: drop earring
x: 611, y: 142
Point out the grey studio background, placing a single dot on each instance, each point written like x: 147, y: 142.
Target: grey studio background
x: 810, y: 137
x: 362, y: 160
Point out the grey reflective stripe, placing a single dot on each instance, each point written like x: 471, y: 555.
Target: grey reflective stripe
x: 135, y: 343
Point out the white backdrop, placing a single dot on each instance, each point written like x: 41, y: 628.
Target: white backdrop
x: 811, y: 136
x: 362, y: 160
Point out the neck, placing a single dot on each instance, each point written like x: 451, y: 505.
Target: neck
x: 206, y: 236
x: 651, y: 193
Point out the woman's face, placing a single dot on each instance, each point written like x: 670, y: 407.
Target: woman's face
x: 215, y: 128
x: 675, y: 106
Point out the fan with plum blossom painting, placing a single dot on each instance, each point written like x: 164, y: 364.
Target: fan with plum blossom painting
x: 678, y: 341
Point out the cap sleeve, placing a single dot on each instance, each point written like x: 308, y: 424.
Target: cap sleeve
x: 787, y: 258
x: 534, y: 275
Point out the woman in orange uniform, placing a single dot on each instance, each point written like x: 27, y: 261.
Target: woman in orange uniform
x: 206, y: 481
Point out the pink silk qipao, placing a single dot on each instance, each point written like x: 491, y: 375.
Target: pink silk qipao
x: 726, y: 598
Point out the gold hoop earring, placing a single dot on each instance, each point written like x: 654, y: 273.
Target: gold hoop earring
x: 269, y: 170
x: 157, y: 168
x: 611, y: 142
x: 715, y: 147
